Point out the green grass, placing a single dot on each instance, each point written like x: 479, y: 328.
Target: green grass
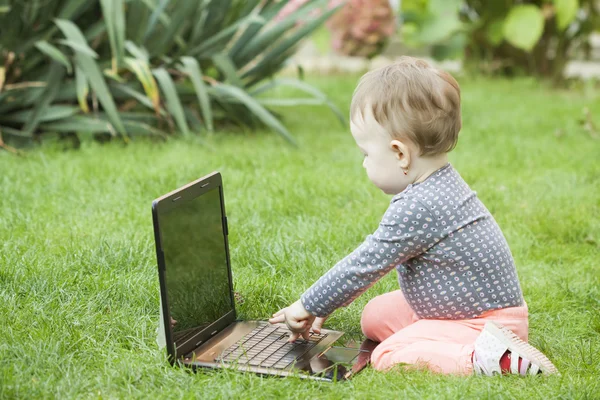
x: 78, y: 280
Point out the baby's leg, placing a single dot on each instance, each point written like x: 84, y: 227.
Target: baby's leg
x: 385, y: 315
x: 444, y: 346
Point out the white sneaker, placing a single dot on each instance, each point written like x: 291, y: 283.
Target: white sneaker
x: 495, y: 341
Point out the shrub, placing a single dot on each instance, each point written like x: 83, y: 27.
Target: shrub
x: 361, y: 28
x: 536, y: 37
x: 141, y: 67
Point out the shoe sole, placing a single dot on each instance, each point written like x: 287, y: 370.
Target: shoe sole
x: 525, y: 350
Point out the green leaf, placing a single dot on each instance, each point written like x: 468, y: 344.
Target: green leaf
x: 137, y: 52
x: 444, y: 7
x: 304, y: 87
x: 4, y: 6
x: 179, y: 20
x: 173, y: 102
x: 275, y: 102
x: 80, y: 47
x: 78, y: 123
x: 141, y: 69
x: 226, y: 66
x: 51, y: 113
x: 451, y: 48
x: 267, y: 11
x: 253, y: 105
x: 524, y: 26
x: 566, y: 11
x: 495, y: 32
x: 192, y: 69
x: 54, y: 53
x: 264, y: 66
x: 437, y: 27
x: 157, y: 12
x: 53, y: 82
x: 140, y: 128
x: 93, y: 74
x: 225, y: 34
x: 83, y: 89
x: 73, y: 8
x: 114, y: 18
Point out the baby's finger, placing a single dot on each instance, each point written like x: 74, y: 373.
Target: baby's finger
x: 293, y: 337
x: 306, y: 334
x: 318, y: 324
x: 277, y: 319
x: 279, y: 312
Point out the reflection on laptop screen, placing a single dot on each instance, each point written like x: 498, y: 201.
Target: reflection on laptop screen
x: 196, y: 265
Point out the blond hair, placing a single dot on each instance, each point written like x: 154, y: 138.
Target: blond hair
x: 413, y: 100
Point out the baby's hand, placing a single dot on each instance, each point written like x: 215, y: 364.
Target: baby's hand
x: 297, y: 319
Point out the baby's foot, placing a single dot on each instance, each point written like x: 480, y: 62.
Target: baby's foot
x: 499, y: 351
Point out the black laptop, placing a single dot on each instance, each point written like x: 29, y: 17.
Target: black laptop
x: 198, y: 304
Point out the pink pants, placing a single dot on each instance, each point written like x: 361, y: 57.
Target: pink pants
x: 443, y: 346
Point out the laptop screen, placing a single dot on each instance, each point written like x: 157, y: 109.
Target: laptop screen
x: 197, y: 276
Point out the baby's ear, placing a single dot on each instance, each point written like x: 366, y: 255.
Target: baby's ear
x: 401, y: 150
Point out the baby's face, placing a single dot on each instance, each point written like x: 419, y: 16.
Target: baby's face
x: 382, y: 162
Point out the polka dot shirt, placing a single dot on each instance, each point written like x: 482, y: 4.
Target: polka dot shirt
x: 451, y: 257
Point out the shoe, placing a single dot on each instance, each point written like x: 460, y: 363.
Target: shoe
x: 499, y: 351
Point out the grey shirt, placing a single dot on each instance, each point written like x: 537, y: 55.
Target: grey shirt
x: 451, y: 257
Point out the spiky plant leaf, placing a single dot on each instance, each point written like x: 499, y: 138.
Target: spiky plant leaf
x: 191, y: 67
x: 54, y: 53
x: 93, y: 74
x: 173, y: 103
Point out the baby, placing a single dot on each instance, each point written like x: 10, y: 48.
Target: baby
x: 460, y: 309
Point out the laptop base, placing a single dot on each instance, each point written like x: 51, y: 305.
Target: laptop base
x: 233, y: 348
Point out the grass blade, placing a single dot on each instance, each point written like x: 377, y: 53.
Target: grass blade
x: 172, y: 99
x: 192, y: 69
x: 228, y: 92
x: 54, y: 53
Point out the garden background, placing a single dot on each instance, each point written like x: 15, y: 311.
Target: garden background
x: 106, y: 105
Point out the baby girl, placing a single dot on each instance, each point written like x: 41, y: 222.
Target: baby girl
x: 460, y: 309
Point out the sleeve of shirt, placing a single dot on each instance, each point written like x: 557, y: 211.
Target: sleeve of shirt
x: 407, y: 230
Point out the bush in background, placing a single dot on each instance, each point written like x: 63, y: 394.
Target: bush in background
x: 361, y: 28
x: 536, y: 37
x: 141, y: 67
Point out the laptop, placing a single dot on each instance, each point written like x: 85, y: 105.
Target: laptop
x: 198, y: 303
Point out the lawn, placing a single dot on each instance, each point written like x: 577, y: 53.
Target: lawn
x: 78, y: 280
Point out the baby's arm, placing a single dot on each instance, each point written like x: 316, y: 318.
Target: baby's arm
x: 406, y: 230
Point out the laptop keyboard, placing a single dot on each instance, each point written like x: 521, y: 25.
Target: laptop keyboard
x: 267, y: 346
